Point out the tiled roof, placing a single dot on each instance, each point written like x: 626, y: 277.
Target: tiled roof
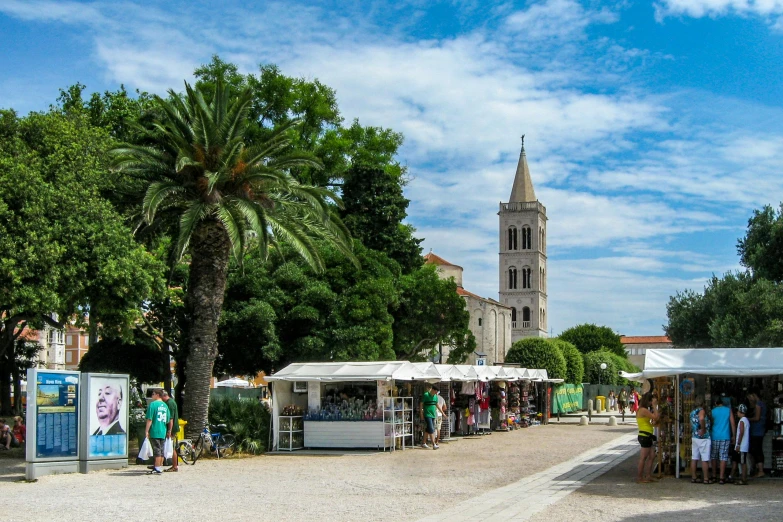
x: 649, y: 339
x: 433, y: 259
x: 461, y: 291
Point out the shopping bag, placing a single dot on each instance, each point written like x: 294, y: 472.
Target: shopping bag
x: 168, y: 449
x: 146, y: 450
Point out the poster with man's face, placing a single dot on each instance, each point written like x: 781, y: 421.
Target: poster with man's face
x: 108, y: 416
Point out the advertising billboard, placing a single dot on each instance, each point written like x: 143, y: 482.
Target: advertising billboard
x: 53, y: 408
x: 107, y: 418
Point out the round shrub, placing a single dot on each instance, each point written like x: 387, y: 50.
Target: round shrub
x: 539, y: 354
x: 593, y: 372
x: 575, y: 366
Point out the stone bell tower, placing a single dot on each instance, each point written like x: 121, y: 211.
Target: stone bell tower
x: 523, y: 256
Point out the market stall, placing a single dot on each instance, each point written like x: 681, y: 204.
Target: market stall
x: 345, y: 405
x: 679, y: 375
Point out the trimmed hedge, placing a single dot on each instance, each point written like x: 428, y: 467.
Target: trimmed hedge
x: 538, y: 353
x: 575, y: 366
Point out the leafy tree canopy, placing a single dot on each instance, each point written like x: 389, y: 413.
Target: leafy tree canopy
x: 375, y: 208
x: 761, y: 250
x: 575, y: 368
x: 431, y: 313
x: 538, y: 353
x: 63, y: 248
x: 138, y: 357
x: 589, y: 337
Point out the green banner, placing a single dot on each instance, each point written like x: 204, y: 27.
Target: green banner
x: 567, y: 398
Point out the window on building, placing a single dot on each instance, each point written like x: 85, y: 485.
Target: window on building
x: 512, y: 238
x: 526, y: 314
x: 526, y: 279
x: 479, y: 321
x: 69, y: 357
x: 513, y: 314
x: 512, y: 278
x: 527, y: 242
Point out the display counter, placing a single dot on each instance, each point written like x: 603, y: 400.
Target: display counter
x: 344, y: 434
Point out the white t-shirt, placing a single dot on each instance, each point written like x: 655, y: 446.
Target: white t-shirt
x: 744, y: 443
x: 441, y: 404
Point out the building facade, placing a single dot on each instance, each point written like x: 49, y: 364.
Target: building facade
x: 522, y: 263
x: 636, y: 346
x: 490, y: 321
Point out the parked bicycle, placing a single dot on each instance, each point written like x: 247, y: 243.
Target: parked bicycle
x: 223, y: 444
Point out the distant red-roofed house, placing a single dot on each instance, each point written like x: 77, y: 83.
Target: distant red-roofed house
x: 490, y: 321
x: 636, y: 346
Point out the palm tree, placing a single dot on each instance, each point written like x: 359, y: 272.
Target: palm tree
x: 226, y: 196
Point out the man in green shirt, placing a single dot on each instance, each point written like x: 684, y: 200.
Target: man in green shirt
x: 429, y: 412
x: 172, y: 404
x: 158, y: 428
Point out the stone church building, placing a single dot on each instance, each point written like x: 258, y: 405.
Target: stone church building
x: 522, y: 310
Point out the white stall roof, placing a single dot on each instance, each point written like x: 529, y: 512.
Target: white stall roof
x: 355, y: 371
x: 468, y: 372
x: 728, y: 362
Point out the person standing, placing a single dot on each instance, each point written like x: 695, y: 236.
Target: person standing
x: 758, y: 428
x: 441, y: 412
x: 622, y: 400
x: 723, y: 432
x: 700, y: 441
x: 158, y: 428
x: 646, y: 415
x: 428, y: 412
x: 172, y: 404
x: 743, y: 443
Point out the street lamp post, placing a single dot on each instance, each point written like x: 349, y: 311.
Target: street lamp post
x: 601, y: 373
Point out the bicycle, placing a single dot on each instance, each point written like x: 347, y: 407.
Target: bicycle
x: 223, y: 444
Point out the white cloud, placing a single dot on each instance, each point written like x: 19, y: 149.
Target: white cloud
x: 615, y: 166
x: 770, y: 9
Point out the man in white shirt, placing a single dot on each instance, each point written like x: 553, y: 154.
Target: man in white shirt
x: 441, y: 411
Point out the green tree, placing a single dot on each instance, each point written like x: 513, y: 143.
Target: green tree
x: 761, y: 250
x: 575, y: 368
x: 375, y: 208
x: 431, y: 313
x: 140, y: 358
x: 64, y: 252
x: 227, y: 196
x: 538, y: 353
x: 589, y: 337
x: 593, y: 372
x: 736, y: 310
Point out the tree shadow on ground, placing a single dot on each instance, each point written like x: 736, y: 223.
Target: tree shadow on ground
x: 741, y: 502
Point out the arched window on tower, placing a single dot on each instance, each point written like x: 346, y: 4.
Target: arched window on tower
x: 513, y: 317
x: 526, y: 317
x: 526, y: 278
x: 512, y: 278
x: 543, y: 240
x: 527, y: 238
x: 541, y: 279
x: 512, y: 238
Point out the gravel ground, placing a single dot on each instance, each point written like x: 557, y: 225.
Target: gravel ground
x: 353, y: 486
x: 615, y: 496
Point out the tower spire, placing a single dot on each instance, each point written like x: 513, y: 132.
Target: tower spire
x: 522, y: 190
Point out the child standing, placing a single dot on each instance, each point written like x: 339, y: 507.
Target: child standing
x: 743, y: 443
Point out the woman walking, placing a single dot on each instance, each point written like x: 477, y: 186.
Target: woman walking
x: 646, y: 416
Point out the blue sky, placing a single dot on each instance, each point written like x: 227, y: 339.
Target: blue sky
x: 653, y: 129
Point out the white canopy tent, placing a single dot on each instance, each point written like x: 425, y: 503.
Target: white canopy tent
x: 719, y: 362
x: 356, y: 371
x: 723, y: 362
x: 233, y: 382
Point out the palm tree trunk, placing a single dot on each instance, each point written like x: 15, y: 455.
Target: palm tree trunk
x: 210, y: 250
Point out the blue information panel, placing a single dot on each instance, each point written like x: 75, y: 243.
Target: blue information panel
x: 57, y: 419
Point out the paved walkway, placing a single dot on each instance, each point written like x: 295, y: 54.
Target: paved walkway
x: 526, y: 497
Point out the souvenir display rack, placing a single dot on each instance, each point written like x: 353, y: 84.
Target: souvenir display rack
x: 687, y: 396
x: 663, y: 389
x: 397, y: 422
x: 291, y: 433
